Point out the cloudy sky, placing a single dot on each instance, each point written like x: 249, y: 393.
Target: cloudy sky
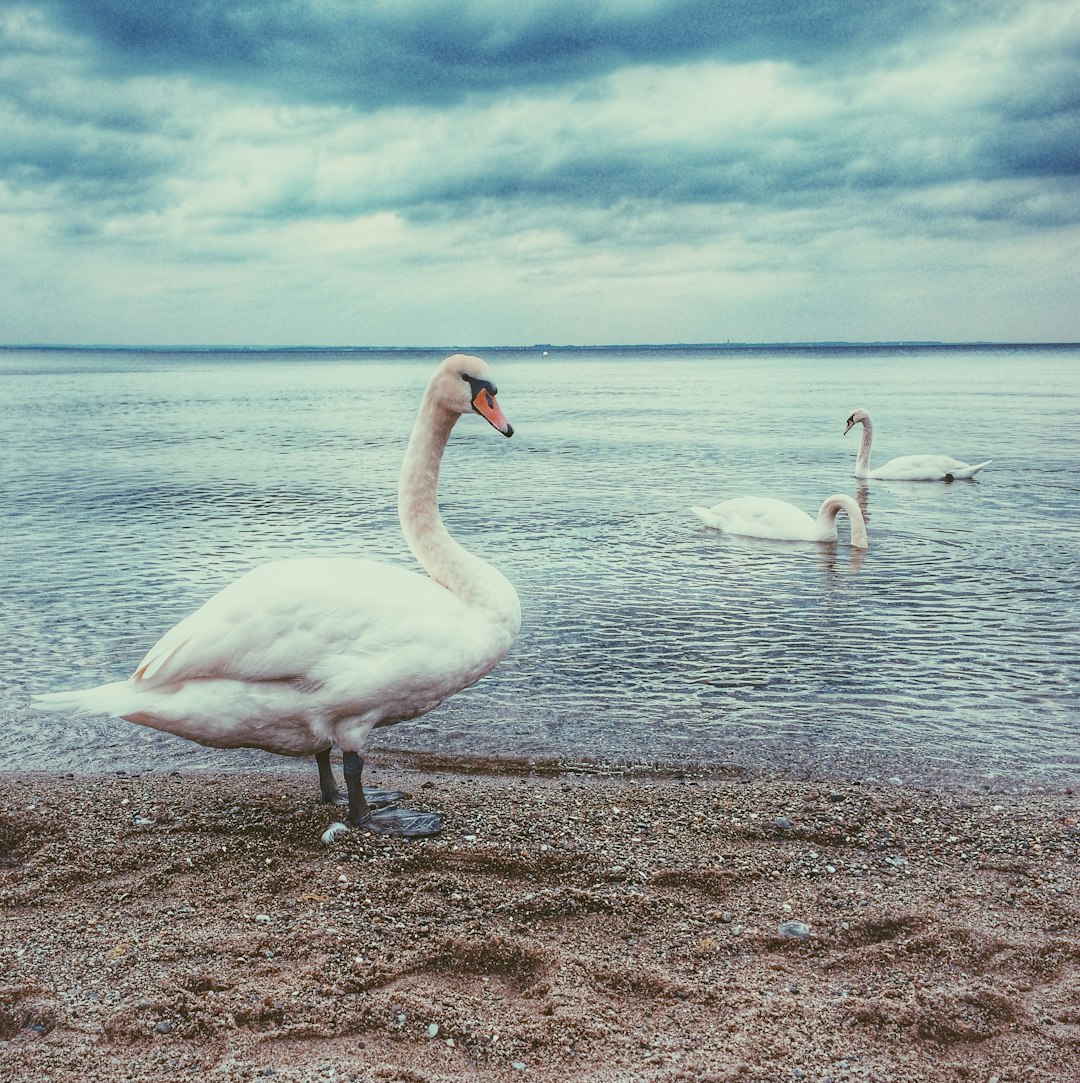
x: 441, y: 172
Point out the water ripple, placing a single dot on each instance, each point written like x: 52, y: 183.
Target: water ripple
x: 949, y: 648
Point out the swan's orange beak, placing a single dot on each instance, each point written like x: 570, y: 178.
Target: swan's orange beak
x: 485, y: 405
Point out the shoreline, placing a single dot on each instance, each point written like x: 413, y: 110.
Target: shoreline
x: 847, y: 768
x: 601, y: 924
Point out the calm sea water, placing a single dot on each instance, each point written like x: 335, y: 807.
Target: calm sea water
x: 136, y: 484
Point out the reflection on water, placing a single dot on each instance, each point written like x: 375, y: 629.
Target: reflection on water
x: 136, y: 485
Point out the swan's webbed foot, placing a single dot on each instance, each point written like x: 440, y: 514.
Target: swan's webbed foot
x: 375, y: 797
x: 395, y: 822
x: 329, y: 794
x: 402, y: 823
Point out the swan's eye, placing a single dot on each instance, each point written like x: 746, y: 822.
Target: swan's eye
x: 477, y: 385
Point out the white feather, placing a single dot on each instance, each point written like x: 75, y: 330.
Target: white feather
x: 767, y: 517
x: 906, y: 467
x: 301, y: 654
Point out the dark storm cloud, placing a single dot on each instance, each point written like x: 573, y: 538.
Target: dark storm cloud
x: 585, y: 139
x: 85, y: 154
x: 371, y: 56
x: 374, y: 55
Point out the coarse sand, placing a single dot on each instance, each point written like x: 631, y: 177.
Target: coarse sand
x: 567, y: 925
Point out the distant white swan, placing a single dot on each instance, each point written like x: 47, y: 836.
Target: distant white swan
x: 907, y: 467
x: 298, y: 656
x: 766, y: 517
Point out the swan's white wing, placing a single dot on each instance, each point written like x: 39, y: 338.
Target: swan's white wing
x: 761, y: 517
x: 285, y: 621
x: 924, y: 468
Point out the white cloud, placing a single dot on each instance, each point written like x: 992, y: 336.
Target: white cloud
x: 703, y: 198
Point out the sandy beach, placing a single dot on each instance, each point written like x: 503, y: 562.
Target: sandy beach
x: 566, y: 924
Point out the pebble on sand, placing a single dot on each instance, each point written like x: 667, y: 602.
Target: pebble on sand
x: 793, y: 928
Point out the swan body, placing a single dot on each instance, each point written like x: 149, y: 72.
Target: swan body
x: 298, y: 656
x: 767, y: 517
x: 906, y: 467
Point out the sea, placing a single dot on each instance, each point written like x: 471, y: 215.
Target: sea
x: 138, y: 482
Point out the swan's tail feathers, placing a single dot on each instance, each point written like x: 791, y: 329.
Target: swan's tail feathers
x: 975, y: 469
x: 705, y: 515
x: 101, y: 700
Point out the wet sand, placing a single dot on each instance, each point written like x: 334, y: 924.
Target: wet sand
x: 566, y: 925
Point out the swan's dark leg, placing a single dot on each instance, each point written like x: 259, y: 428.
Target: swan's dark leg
x: 400, y: 822
x: 329, y: 794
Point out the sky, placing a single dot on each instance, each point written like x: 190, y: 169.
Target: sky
x: 487, y: 172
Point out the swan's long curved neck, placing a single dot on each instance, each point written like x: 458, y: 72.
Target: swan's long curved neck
x: 473, y: 580
x: 862, y: 460
x: 827, y: 519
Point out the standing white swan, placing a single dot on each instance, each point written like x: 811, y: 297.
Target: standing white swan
x: 907, y: 467
x: 767, y: 517
x: 298, y: 656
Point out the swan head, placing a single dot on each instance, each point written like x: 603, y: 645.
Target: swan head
x: 859, y: 417
x: 463, y: 385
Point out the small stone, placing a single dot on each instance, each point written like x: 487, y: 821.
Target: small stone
x: 433, y: 1030
x: 794, y: 928
x: 783, y: 823
x: 518, y: 1066
x: 164, y: 1027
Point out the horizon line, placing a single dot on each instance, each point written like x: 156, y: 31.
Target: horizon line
x: 545, y: 346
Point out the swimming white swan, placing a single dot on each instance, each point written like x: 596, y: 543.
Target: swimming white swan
x: 766, y: 517
x: 907, y: 467
x: 298, y: 656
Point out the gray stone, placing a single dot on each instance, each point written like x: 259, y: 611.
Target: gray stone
x: 794, y: 928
